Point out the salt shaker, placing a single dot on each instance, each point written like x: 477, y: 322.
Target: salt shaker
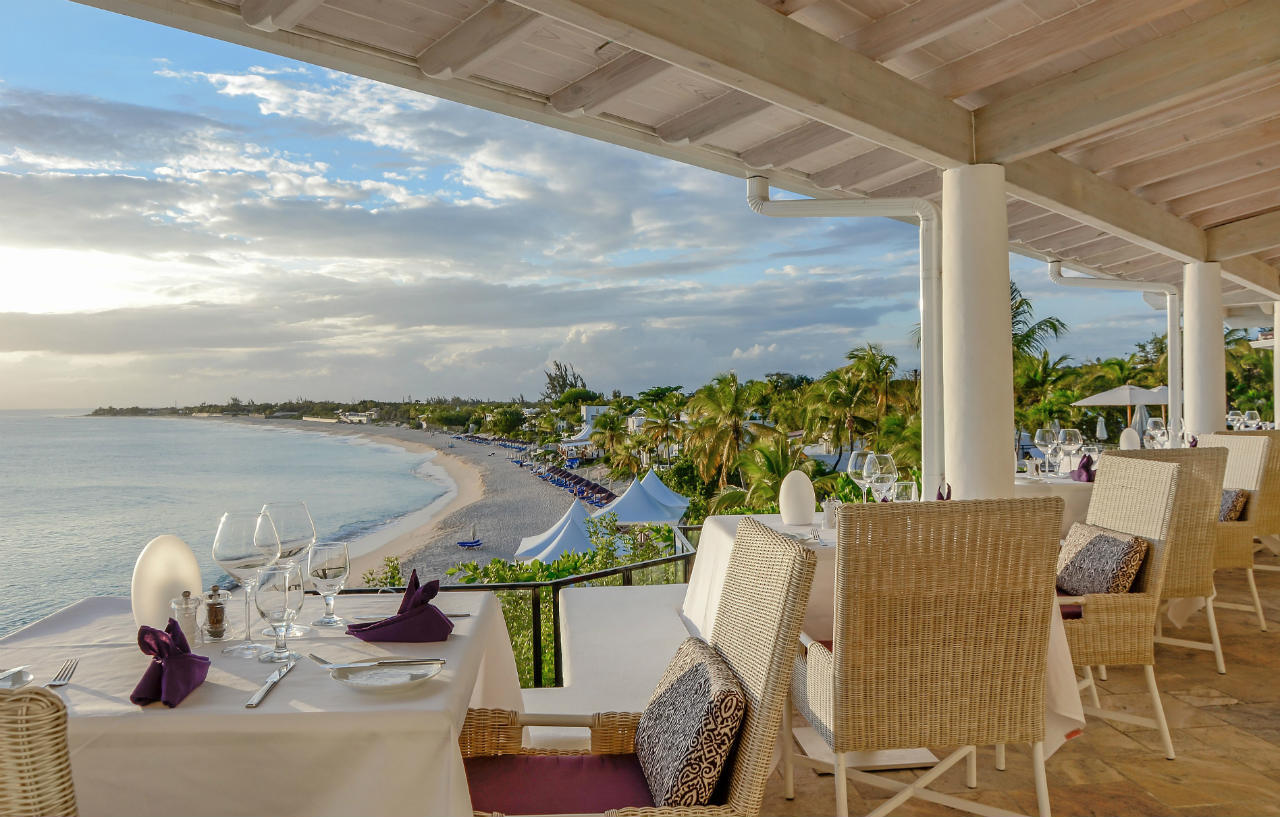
x: 186, y: 612
x: 215, y: 613
x: 829, y: 509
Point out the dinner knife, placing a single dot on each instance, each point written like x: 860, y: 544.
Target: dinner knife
x: 375, y: 662
x: 5, y: 675
x: 272, y: 680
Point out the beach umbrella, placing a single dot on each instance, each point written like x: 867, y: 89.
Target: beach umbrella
x: 1140, y: 418
x: 1127, y: 395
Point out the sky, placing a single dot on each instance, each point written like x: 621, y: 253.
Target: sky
x: 183, y: 220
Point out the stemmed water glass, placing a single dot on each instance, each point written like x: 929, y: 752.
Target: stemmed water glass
x: 279, y: 600
x: 1071, y: 441
x: 327, y: 566
x: 1157, y: 434
x: 1252, y: 420
x: 297, y: 532
x: 1044, y: 440
x: 244, y: 543
x: 880, y: 473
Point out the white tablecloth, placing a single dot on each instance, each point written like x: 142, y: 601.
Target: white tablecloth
x: 314, y: 747
x: 1075, y: 496
x: 1064, y: 715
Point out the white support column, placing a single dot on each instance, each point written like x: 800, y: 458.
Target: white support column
x: 1204, y: 354
x: 977, y: 347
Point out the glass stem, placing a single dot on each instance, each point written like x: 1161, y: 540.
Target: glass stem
x: 248, y: 620
x: 281, y: 632
x: 328, y: 604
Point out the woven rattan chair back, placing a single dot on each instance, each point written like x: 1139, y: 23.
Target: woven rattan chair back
x: 1246, y: 460
x: 1138, y: 497
x: 757, y: 632
x: 942, y: 622
x: 1266, y: 506
x: 35, y: 766
x: 1193, y: 528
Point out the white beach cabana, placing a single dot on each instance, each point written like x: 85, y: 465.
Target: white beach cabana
x: 636, y: 505
x: 659, y: 491
x: 533, y: 547
x: 1128, y: 396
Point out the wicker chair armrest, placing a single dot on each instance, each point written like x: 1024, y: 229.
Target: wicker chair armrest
x: 1072, y: 599
x: 488, y: 732
x: 1114, y: 604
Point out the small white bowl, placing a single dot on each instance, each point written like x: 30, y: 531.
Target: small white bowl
x: 386, y: 679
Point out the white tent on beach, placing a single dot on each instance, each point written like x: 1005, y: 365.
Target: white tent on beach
x: 638, y: 505
x: 659, y: 491
x: 554, y: 540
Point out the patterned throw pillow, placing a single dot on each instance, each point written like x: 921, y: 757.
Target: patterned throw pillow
x: 1098, y: 560
x: 1233, y: 503
x: 689, y: 728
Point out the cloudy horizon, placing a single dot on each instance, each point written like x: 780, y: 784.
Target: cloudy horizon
x: 184, y: 220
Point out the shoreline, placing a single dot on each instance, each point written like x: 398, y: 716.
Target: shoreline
x: 482, y: 490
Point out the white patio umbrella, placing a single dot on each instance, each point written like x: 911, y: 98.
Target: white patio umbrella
x: 1127, y: 395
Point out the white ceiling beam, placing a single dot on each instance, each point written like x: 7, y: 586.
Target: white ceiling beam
x: 859, y: 170
x: 274, y: 15
x: 591, y: 93
x: 795, y: 144
x: 1162, y: 72
x: 1253, y: 273
x: 710, y: 119
x: 919, y: 24
x: 1202, y: 154
x: 1244, y: 237
x: 750, y: 48
x: 481, y: 36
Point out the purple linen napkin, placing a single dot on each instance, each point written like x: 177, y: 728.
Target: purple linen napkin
x: 941, y: 496
x: 1085, y: 471
x: 174, y: 672
x: 417, y: 620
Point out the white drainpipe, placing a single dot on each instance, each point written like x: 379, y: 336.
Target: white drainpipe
x: 1173, y: 314
x: 927, y: 214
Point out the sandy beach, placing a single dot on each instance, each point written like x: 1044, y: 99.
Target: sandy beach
x: 503, y: 501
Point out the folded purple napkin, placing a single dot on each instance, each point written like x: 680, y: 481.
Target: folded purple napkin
x: 175, y: 670
x: 417, y: 620
x: 943, y: 497
x: 1085, y: 471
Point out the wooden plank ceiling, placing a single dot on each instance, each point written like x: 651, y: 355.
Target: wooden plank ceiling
x: 1137, y: 134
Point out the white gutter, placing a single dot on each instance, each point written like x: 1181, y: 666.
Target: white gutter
x: 932, y: 465
x: 1173, y: 314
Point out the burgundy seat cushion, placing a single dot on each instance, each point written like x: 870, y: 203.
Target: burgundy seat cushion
x: 566, y: 784
x: 1070, y: 610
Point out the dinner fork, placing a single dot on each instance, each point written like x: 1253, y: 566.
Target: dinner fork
x: 64, y: 673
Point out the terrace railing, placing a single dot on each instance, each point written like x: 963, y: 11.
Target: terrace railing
x: 686, y: 550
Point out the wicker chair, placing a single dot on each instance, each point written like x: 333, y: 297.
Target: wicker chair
x: 1134, y: 496
x: 1247, y: 461
x: 1267, y: 504
x: 757, y: 632
x: 1193, y: 536
x: 941, y: 635
x: 35, y: 765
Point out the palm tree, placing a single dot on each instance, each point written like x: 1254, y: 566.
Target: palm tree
x: 662, y: 425
x: 1034, y: 377
x: 764, y: 465
x: 875, y: 370
x: 1118, y: 371
x: 607, y: 430
x: 835, y: 404
x: 626, y: 457
x: 1031, y: 336
x: 722, y: 425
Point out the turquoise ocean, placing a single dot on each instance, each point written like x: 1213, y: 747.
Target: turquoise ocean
x: 80, y: 496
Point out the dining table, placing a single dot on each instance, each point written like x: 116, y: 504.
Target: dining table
x: 1064, y: 713
x: 313, y: 747
x: 1075, y: 495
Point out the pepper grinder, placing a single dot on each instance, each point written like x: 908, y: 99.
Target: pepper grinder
x: 215, y: 613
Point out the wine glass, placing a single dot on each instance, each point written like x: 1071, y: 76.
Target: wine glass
x: 1252, y: 420
x: 870, y: 468
x: 297, y: 532
x: 1157, y: 433
x: 857, y: 462
x: 906, y: 491
x: 1234, y: 419
x: 279, y: 599
x: 327, y: 566
x: 1044, y: 440
x: 1071, y: 441
x: 244, y: 543
x: 882, y: 485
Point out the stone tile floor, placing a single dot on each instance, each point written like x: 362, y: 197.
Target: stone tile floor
x: 1226, y: 733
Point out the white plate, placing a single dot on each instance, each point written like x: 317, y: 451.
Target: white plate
x: 18, y: 679
x: 386, y: 679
